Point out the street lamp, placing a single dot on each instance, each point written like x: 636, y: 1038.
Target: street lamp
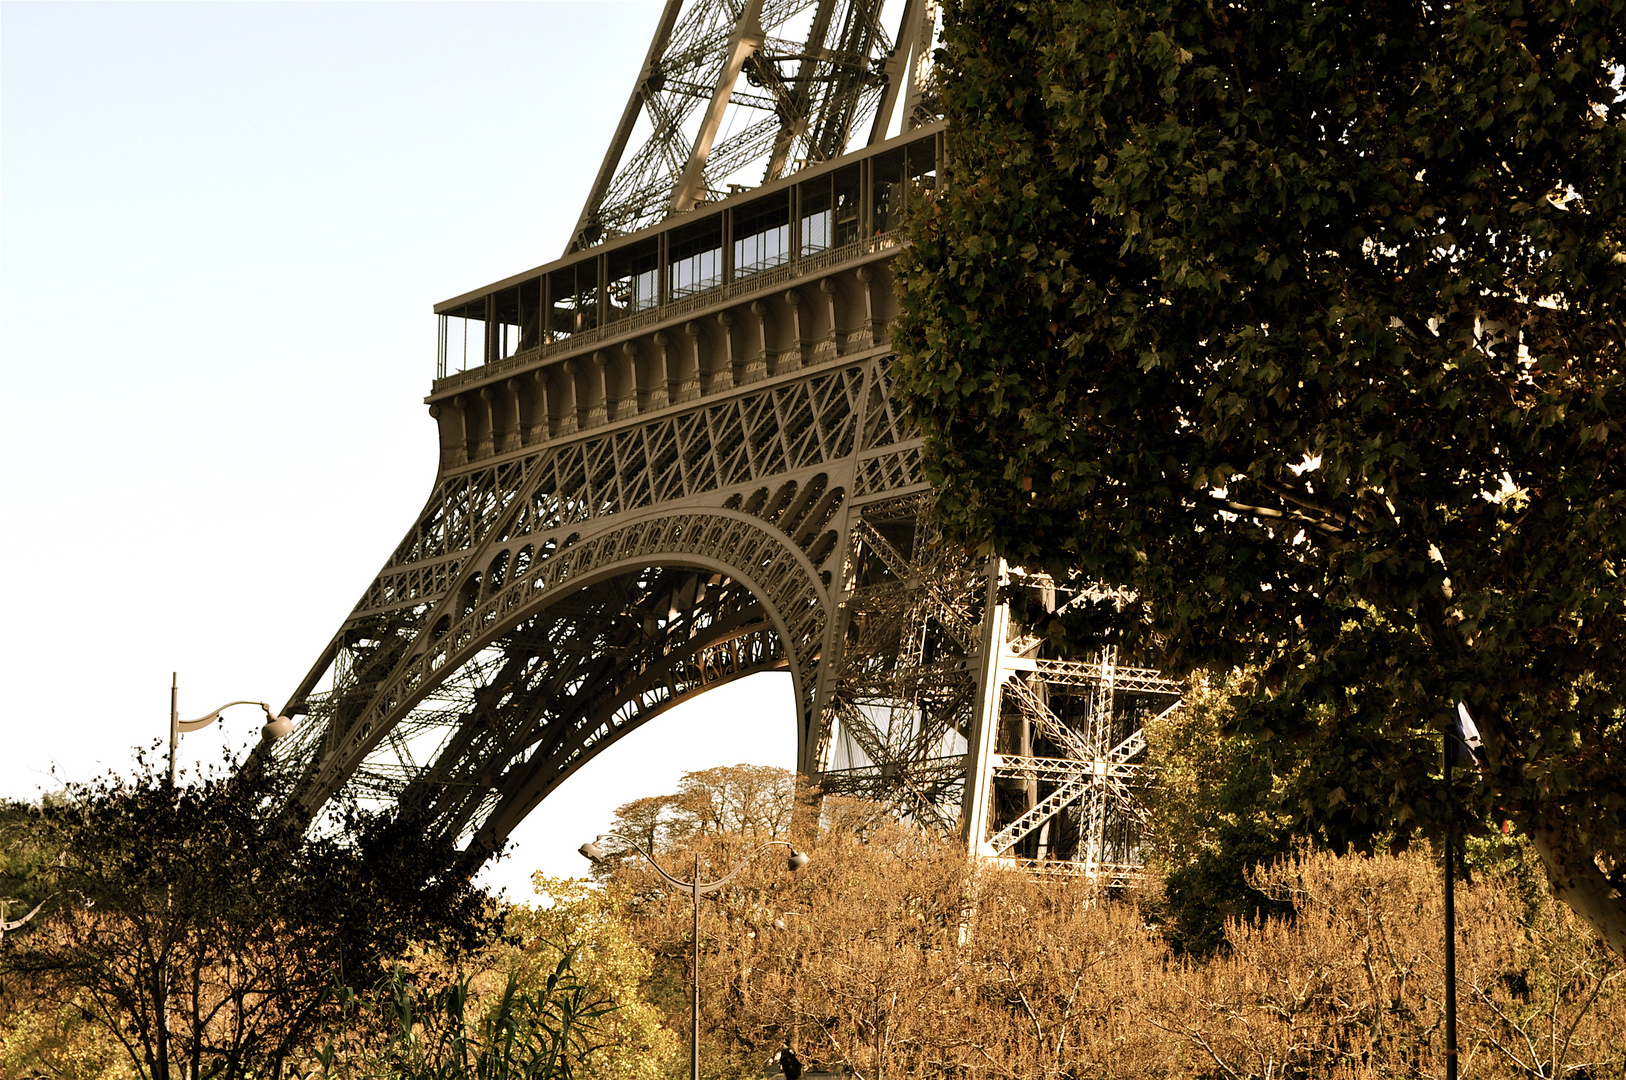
x: 275, y: 726
x: 1462, y: 743
x: 15, y: 924
x: 696, y: 889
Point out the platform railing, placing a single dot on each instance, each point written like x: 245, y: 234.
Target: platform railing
x: 803, y: 267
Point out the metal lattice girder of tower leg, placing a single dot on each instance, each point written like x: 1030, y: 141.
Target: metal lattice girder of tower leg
x: 645, y: 493
x: 1060, y: 784
x: 620, y: 522
x: 901, y: 687
x: 563, y: 640
x: 735, y: 94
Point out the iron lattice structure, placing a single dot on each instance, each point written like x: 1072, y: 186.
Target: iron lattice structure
x: 674, y: 460
x: 736, y: 93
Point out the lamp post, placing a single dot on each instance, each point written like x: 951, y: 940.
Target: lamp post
x: 1447, y: 760
x: 15, y: 924
x: 1462, y: 740
x: 275, y: 726
x: 696, y: 889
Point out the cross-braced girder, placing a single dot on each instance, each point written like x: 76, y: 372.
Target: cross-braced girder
x: 573, y: 677
x: 735, y: 93
x: 1067, y: 787
x: 902, y: 678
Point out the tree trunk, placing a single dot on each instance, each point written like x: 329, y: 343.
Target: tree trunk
x: 1578, y: 882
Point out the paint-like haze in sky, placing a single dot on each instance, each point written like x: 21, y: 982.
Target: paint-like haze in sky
x: 222, y: 230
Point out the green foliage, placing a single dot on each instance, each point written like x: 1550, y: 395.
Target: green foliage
x: 24, y: 859
x: 1213, y: 822
x: 1302, y: 320
x: 586, y: 920
x: 43, y: 1039
x: 545, y: 1033
x: 559, y: 993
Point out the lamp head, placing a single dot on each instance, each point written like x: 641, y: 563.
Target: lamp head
x: 592, y: 852
x: 798, y: 859
x: 277, y: 727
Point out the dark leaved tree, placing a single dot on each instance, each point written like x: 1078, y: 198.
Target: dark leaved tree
x: 1302, y: 321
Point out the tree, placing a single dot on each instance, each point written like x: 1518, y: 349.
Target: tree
x: 845, y: 960
x: 749, y: 803
x: 205, y: 933
x: 41, y: 1036
x: 583, y: 921
x: 646, y: 822
x: 1301, y: 322
x: 892, y: 954
x: 754, y: 802
x: 1214, y: 821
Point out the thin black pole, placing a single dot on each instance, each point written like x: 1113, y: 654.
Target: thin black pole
x: 174, y: 722
x: 696, y: 890
x: 694, y: 982
x: 160, y: 950
x: 1450, y: 925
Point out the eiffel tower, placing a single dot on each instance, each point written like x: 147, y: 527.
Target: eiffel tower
x: 672, y: 458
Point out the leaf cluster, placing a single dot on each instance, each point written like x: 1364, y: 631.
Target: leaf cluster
x: 543, y: 1032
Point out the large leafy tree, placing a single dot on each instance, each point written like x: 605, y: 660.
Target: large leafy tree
x: 1302, y: 321
x: 205, y: 933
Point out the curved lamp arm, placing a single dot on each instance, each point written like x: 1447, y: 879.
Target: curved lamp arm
x: 275, y: 726
x: 16, y: 924
x: 592, y: 851
x: 797, y: 860
x: 203, y: 722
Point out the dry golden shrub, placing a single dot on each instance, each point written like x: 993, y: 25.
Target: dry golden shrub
x: 901, y: 959
x: 1053, y: 977
x: 1354, y: 986
x: 893, y: 955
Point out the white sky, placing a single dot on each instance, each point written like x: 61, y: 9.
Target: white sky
x: 222, y: 231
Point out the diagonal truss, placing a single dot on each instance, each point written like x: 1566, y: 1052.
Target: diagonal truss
x: 735, y: 93
x: 903, y: 678
x: 1065, y: 788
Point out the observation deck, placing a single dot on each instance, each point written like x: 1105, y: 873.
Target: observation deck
x: 761, y: 284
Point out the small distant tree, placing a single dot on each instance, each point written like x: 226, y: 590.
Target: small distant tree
x: 204, y: 932
x: 1217, y: 817
x: 753, y: 802
x: 735, y: 803
x: 646, y: 822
